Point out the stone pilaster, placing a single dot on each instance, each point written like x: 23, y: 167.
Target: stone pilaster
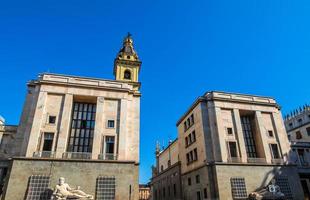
x: 36, y: 125
x: 64, y: 130
x: 122, y: 131
x: 260, y: 128
x: 99, y: 127
x: 239, y: 135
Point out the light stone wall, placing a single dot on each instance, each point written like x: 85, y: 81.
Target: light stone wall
x: 261, y: 177
x: 55, y: 94
x: 169, y: 153
x: 73, y: 171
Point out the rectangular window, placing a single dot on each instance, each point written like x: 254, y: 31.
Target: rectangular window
x: 111, y: 123
x: 274, y: 151
x: 192, y: 119
x: 246, y: 122
x: 197, y: 179
x: 189, y: 181
x: 187, y: 158
x: 38, y: 187
x: 105, y: 188
x: 174, y: 190
x: 109, y: 147
x: 195, y: 155
x: 298, y: 135
x: 198, y: 195
x: 229, y: 131
x: 194, y: 136
x: 185, y: 126
x: 186, y: 141
x: 308, y: 131
x: 238, y: 188
x: 51, y: 119
x: 302, y: 158
x: 233, y: 149
x: 270, y: 133
x: 48, y: 142
x: 82, y: 127
x: 205, y: 193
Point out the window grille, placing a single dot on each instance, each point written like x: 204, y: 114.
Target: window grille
x: 248, y: 135
x: 38, y: 187
x: 238, y: 188
x: 282, y: 182
x: 105, y: 189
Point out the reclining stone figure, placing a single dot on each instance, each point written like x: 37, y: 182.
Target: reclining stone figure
x: 63, y: 191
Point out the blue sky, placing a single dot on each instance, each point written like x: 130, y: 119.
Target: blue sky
x: 187, y: 47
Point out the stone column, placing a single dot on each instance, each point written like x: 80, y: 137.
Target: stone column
x: 122, y: 131
x: 260, y: 128
x: 280, y: 132
x: 36, y: 125
x: 99, y: 127
x: 218, y: 131
x: 64, y: 131
x: 239, y: 135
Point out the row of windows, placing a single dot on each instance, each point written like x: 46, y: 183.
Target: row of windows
x: 189, y: 122
x: 299, y: 135
x: 159, y: 195
x: 192, y: 156
x: 299, y: 122
x: 233, y: 152
x: 190, y: 139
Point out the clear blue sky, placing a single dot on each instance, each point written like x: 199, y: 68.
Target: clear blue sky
x: 187, y: 47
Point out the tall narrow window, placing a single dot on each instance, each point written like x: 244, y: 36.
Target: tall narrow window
x: 275, y: 151
x: 198, y: 195
x: 233, y: 149
x: 302, y: 158
x: 109, y: 144
x: 82, y: 127
x: 48, y: 142
x: 248, y: 136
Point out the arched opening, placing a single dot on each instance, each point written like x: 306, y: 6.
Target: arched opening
x: 127, y: 75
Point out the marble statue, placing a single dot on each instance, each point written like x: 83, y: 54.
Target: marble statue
x: 63, y: 191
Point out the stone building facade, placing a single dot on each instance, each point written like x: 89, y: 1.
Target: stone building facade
x: 231, y: 145
x: 166, y: 175
x: 83, y: 129
x: 297, y: 125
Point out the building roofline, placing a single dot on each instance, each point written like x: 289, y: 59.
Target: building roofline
x: 175, y: 140
x: 209, y: 96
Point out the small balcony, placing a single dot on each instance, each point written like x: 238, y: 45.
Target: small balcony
x: 76, y: 155
x: 44, y: 154
x: 107, y: 156
x: 257, y: 160
x: 234, y: 160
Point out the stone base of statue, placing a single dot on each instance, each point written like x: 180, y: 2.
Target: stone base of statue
x: 272, y: 191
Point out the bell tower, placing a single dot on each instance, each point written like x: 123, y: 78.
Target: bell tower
x: 127, y: 64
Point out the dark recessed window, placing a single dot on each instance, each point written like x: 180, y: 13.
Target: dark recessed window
x: 205, y: 193
x: 270, y: 133
x: 308, y: 130
x: 298, y: 135
x: 111, y: 123
x: 127, y: 74
x: 290, y: 124
x: 162, y: 168
x: 197, y: 179
x: 52, y: 119
x: 233, y: 149
x: 128, y: 57
x: 299, y: 121
x: 189, y: 181
x: 229, y: 131
x: 275, y: 151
